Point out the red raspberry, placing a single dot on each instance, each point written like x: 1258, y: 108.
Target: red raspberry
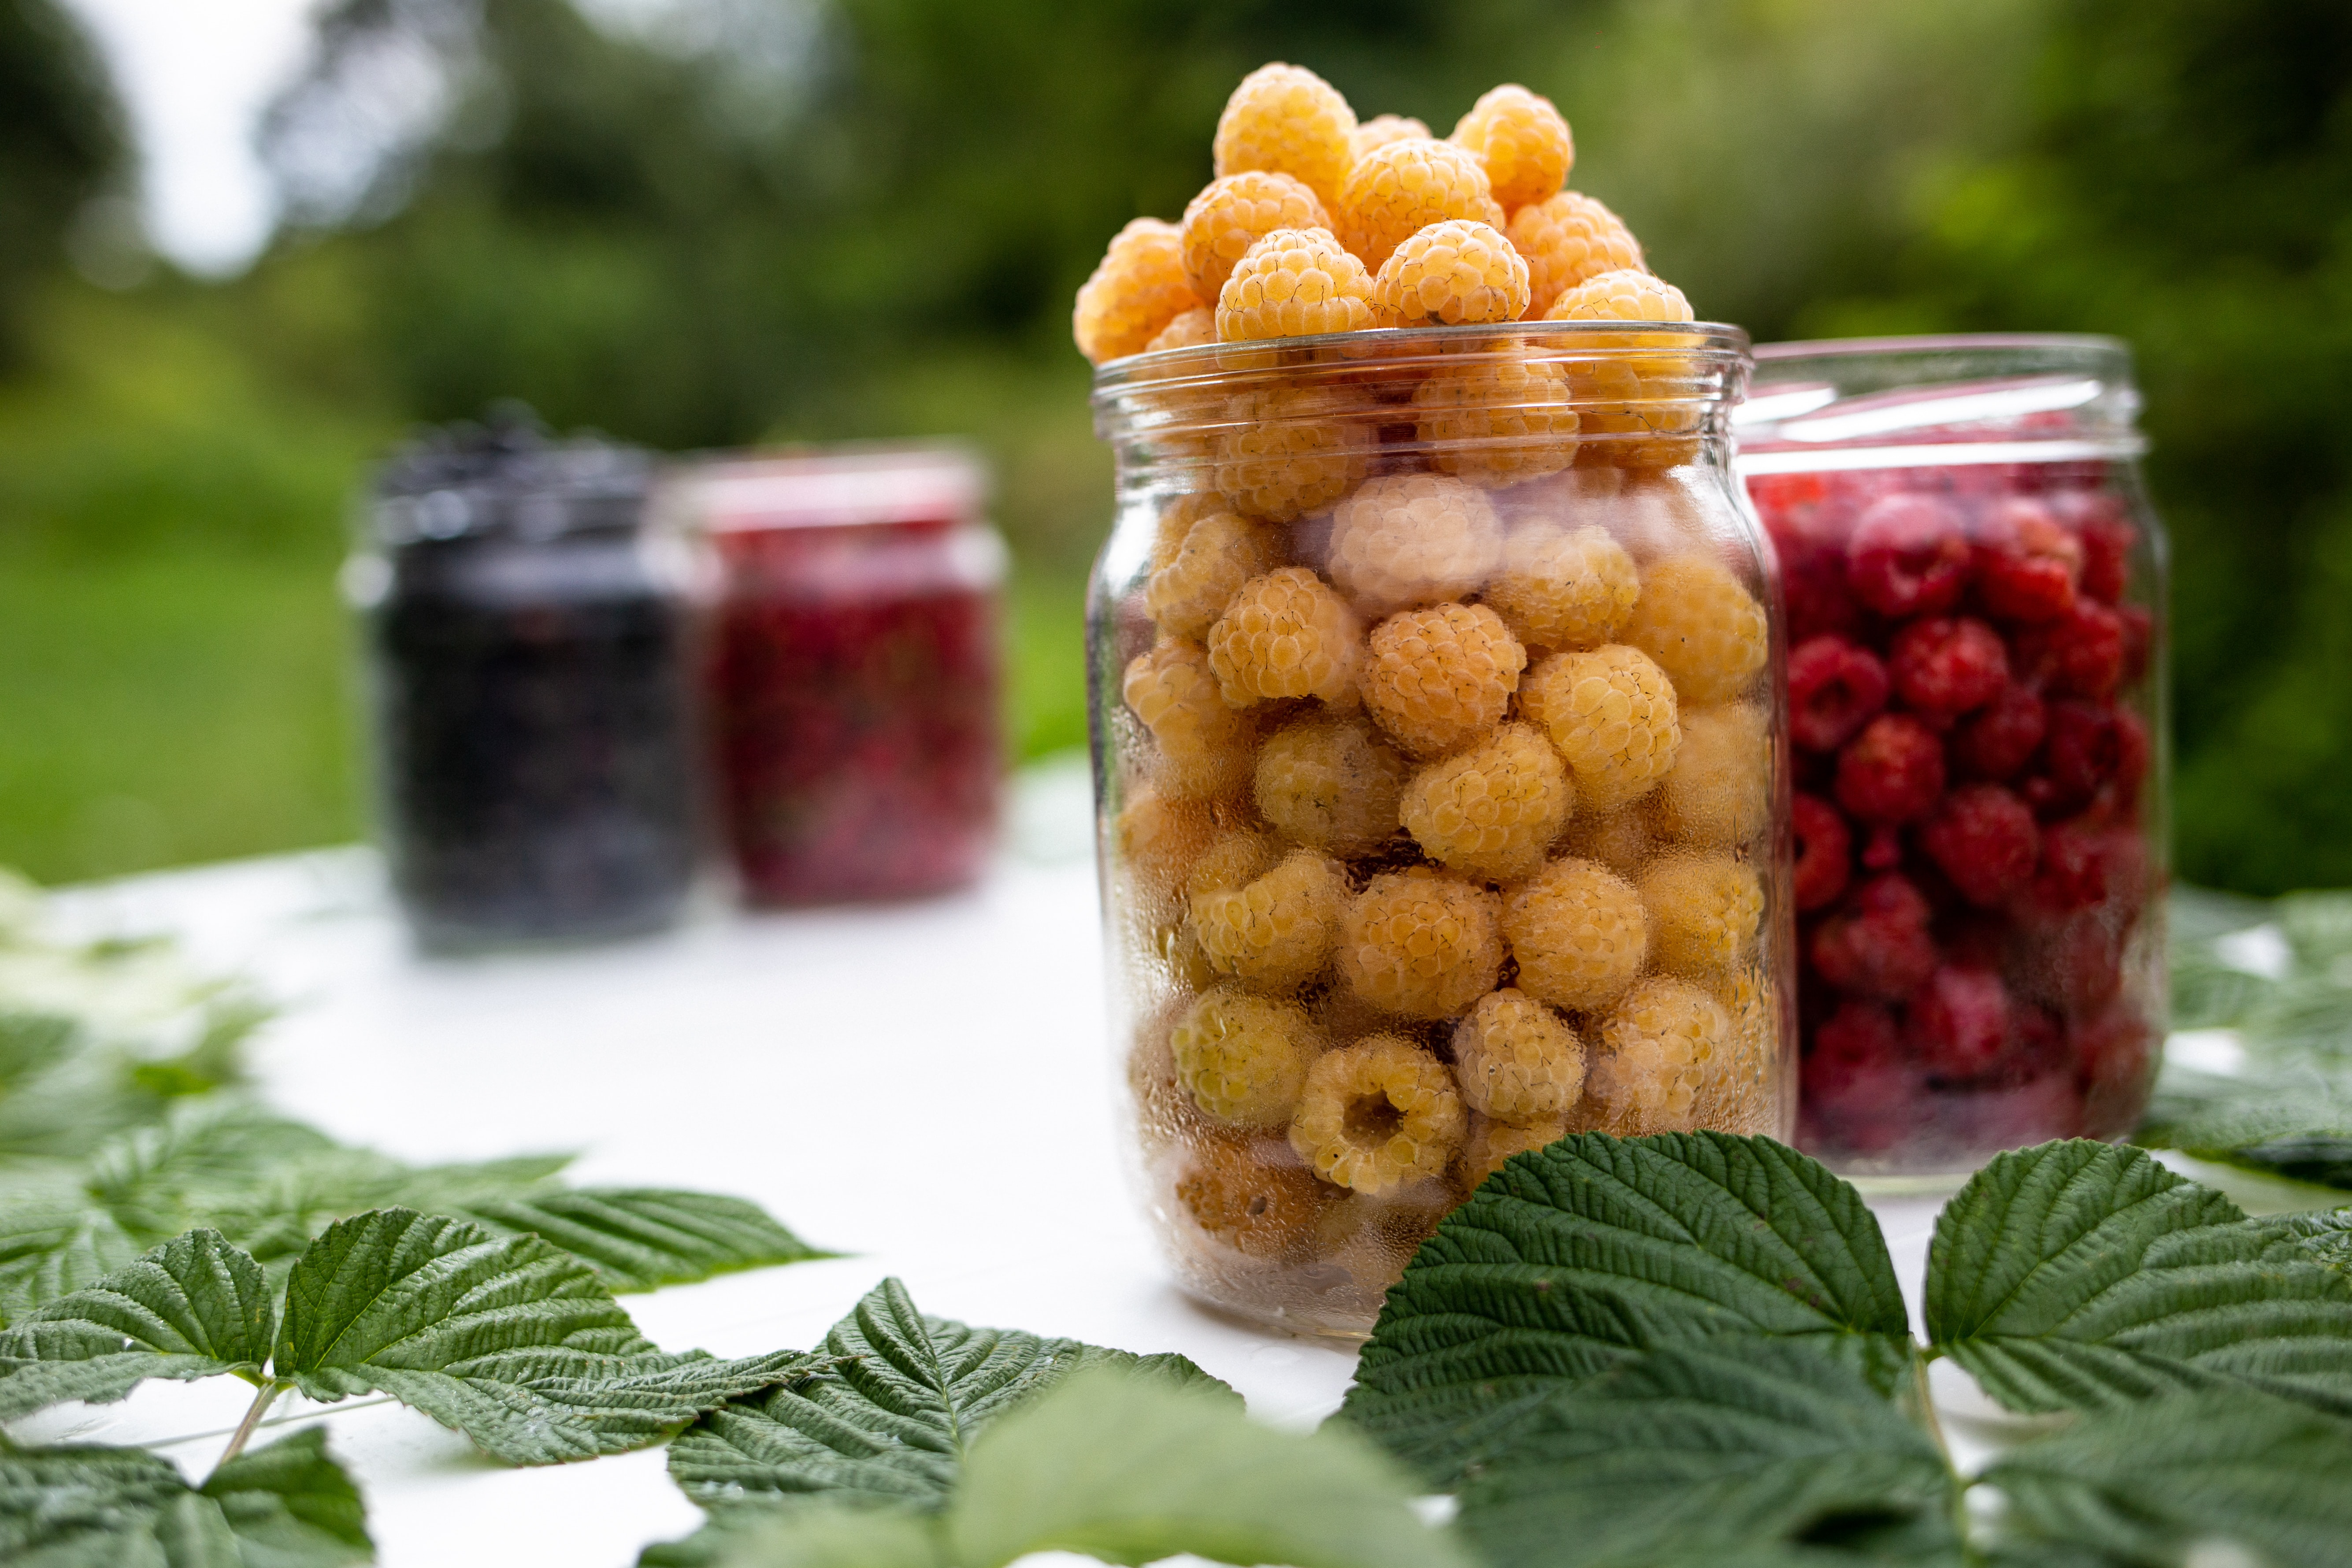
x: 2002, y: 737
x: 2080, y: 654
x: 2076, y: 964
x: 1824, y: 851
x: 2112, y: 1063
x: 2090, y: 746
x: 1892, y: 772
x: 1809, y: 540
x: 2049, y: 1107
x: 1880, y: 946
x: 2027, y: 564
x: 2139, y: 631
x: 1945, y: 665
x: 1834, y: 688
x: 2107, y: 539
x: 2076, y: 868
x: 1857, y: 1089
x: 1959, y: 1024
x: 1883, y: 850
x: 1984, y: 839
x: 1907, y: 556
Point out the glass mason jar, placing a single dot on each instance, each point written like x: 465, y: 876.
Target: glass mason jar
x: 855, y: 687
x: 1975, y: 588
x: 1439, y: 767
x: 528, y: 653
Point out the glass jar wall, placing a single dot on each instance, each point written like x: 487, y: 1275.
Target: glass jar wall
x: 1975, y: 588
x: 1440, y: 766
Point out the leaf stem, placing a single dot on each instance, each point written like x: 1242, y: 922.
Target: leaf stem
x: 1926, y: 1398
x: 253, y: 1414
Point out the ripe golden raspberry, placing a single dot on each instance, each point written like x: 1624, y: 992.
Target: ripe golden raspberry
x: 1493, y: 810
x: 1382, y: 129
x: 1379, y: 1114
x: 1331, y: 783
x: 1290, y: 120
x: 1234, y: 214
x: 1618, y: 840
x: 1655, y: 1045
x: 1449, y: 273
x: 1497, y: 418
x: 1187, y: 331
x: 1704, y: 912
x: 1276, y: 931
x: 1578, y: 932
x: 1208, y: 747
x: 1294, y: 283
x: 1177, y: 516
x: 1612, y: 712
x: 1632, y: 418
x: 1517, y: 1060
x: 1720, y: 790
x: 1288, y: 451
x: 1741, y: 1091
x: 1160, y: 837
x: 1243, y: 1058
x: 1491, y: 1144
x: 1564, y: 588
x: 1397, y: 190
x: 1624, y: 295
x: 1421, y: 943
x: 1568, y: 239
x: 1285, y: 634
x: 1138, y: 288
x: 1521, y: 140
x: 1220, y: 553
x: 1436, y: 679
x: 1412, y: 539
x: 1252, y: 1199
x: 1706, y: 630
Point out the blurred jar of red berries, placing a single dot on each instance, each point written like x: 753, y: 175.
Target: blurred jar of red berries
x: 1975, y: 590
x: 855, y: 673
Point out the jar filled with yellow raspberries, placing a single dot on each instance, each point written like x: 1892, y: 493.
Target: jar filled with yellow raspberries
x: 1441, y: 768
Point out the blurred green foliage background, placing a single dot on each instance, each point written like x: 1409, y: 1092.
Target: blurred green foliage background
x: 749, y: 220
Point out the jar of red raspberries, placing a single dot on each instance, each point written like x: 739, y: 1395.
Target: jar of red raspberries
x: 1975, y: 585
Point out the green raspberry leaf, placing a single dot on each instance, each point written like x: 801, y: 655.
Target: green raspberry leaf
x: 815, y: 1533
x: 890, y: 1419
x: 194, y: 1307
x: 288, y: 1505
x: 2143, y: 1484
x: 2078, y: 1275
x: 1574, y: 1258
x: 642, y: 1238
x: 47, y: 1252
x: 1694, y: 1451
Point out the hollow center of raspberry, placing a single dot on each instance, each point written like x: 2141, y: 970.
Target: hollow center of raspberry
x: 1372, y: 1120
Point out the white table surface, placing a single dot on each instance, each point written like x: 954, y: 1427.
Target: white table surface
x: 925, y: 1088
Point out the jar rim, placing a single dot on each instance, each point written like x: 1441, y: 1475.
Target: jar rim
x: 2089, y: 343
x: 1405, y: 347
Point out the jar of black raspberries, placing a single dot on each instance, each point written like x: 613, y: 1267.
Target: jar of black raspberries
x: 530, y: 645
x: 1975, y: 587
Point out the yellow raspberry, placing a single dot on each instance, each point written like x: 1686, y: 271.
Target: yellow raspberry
x: 1624, y: 295
x: 1287, y: 119
x: 1138, y: 288
x: 1177, y: 516
x: 1378, y: 1114
x: 1420, y: 943
x: 1578, y: 934
x: 1655, y: 1045
x: 1719, y: 791
x: 1706, y: 630
x: 1491, y: 1144
x: 1493, y: 810
x: 1568, y: 239
x: 1517, y: 1060
x: 1741, y: 1091
x: 1564, y: 588
x: 1234, y: 214
x: 1294, y: 283
x: 1612, y: 712
x: 1522, y: 142
x: 1450, y: 273
x: 1257, y: 1202
x: 1220, y: 553
x: 1285, y: 634
x: 1617, y: 839
x: 1206, y: 745
x: 1412, y: 539
x: 1160, y: 837
x: 1497, y: 418
x: 1187, y: 331
x: 1634, y: 420
x: 1397, y: 190
x: 1235, y: 858
x: 1331, y: 784
x: 1436, y: 679
x: 1382, y: 129
x: 1276, y: 930
x: 1704, y: 912
x: 1243, y: 1058
x: 1286, y: 451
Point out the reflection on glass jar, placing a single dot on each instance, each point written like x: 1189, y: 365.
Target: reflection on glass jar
x: 1439, y: 763
x: 1975, y: 588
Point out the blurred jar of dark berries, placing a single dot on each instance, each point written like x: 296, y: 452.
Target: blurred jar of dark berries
x: 531, y: 675
x: 854, y: 682
x: 1975, y: 587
